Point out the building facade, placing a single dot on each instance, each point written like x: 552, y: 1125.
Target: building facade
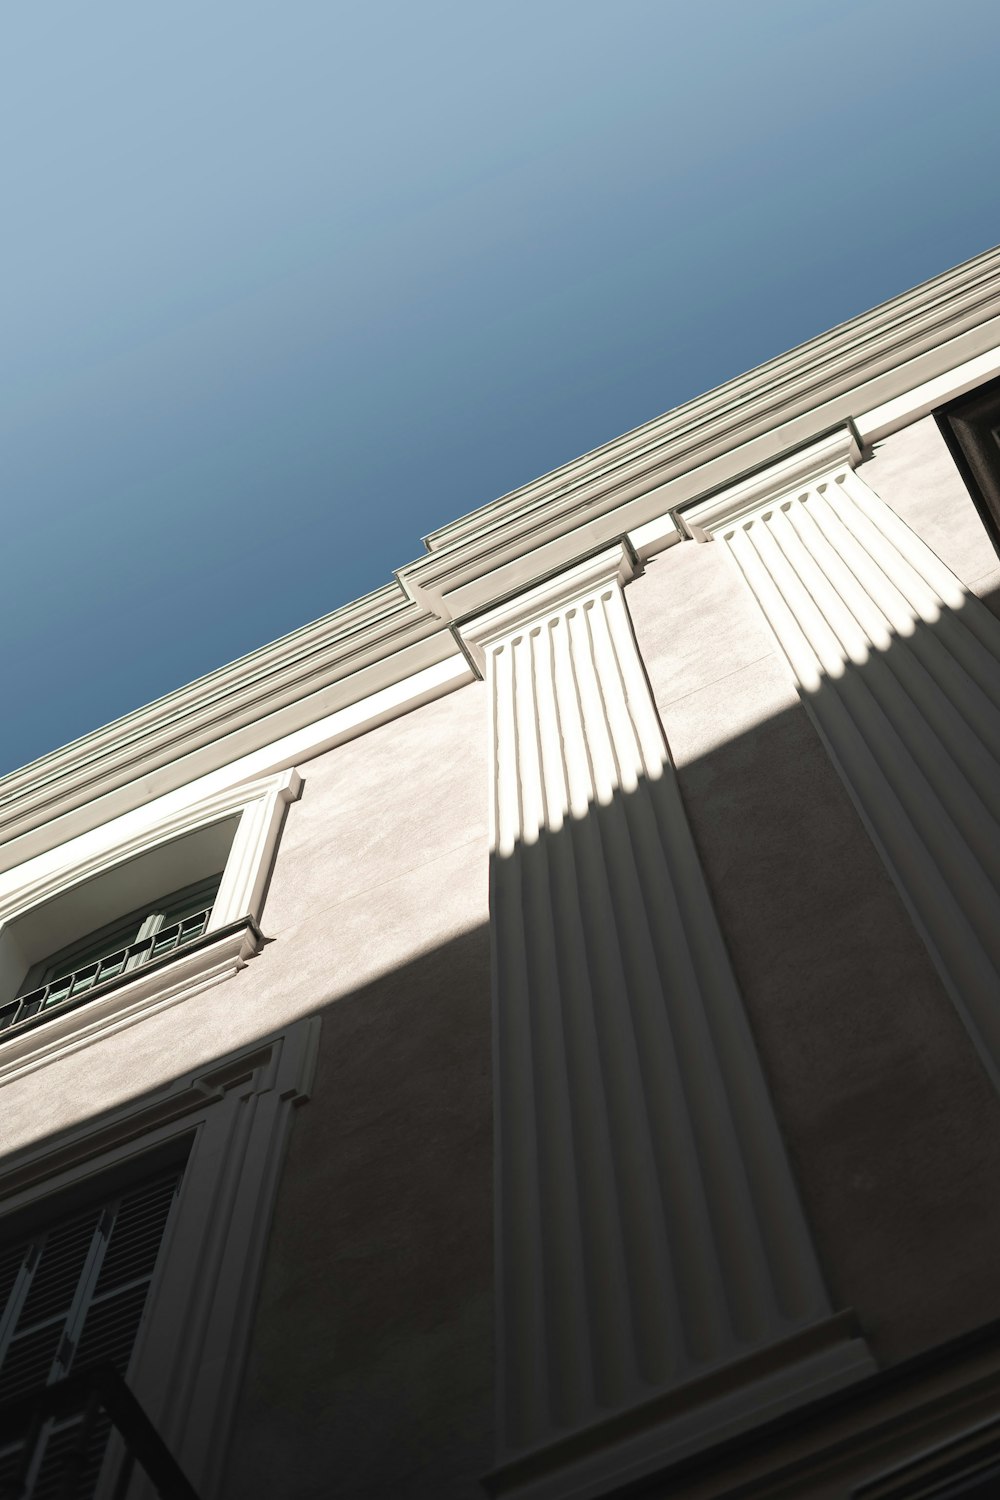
x: 536, y: 1031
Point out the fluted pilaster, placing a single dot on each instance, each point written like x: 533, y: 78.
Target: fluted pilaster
x: 899, y: 667
x: 648, y: 1228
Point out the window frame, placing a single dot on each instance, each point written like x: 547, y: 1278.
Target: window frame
x: 232, y: 1117
x: 231, y: 938
x: 121, y: 933
x: 965, y: 425
x: 83, y: 1293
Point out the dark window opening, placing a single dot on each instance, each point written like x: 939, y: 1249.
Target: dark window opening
x: 72, y: 1295
x: 971, y: 428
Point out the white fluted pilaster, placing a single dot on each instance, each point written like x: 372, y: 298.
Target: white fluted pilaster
x: 648, y: 1228
x: 899, y: 667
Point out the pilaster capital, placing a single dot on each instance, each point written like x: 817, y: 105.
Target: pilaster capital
x: 831, y: 455
x: 611, y: 567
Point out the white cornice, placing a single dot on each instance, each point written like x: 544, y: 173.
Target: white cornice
x: 882, y: 420
x: 798, y: 470
x: 629, y: 486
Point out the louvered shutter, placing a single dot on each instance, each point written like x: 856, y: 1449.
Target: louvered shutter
x: 73, y: 1296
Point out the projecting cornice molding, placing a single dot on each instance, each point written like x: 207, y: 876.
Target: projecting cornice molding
x: 881, y: 368
x: 832, y: 455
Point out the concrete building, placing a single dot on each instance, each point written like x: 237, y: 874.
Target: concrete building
x: 536, y: 1031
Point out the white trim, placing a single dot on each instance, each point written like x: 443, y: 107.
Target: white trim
x: 260, y: 806
x: 381, y: 641
x: 614, y: 566
x: 800, y: 470
x: 148, y: 993
x: 204, y: 773
x: 188, y: 1363
x: 919, y: 402
x: 655, y: 536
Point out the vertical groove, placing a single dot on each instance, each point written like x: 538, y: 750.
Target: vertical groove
x: 651, y: 1228
x: 900, y: 669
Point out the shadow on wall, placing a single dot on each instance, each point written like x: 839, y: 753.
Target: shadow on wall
x: 893, y: 1129
x: 372, y: 1357
x: 372, y: 1351
x: 891, y: 1121
x: 380, y: 1271
x: 637, y: 1140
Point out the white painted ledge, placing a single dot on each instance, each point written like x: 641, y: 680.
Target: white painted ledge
x: 150, y: 991
x: 881, y: 421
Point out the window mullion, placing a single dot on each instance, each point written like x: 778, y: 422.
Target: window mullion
x: 73, y: 1325
x: 150, y: 926
x: 18, y: 1294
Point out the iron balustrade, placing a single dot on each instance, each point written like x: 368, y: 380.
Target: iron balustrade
x: 100, y: 972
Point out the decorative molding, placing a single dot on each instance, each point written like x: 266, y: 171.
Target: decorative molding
x: 899, y: 668
x: 628, y: 486
x: 260, y: 808
x: 701, y: 1414
x: 833, y: 454
x: 611, y: 568
x: 260, y: 805
x: 65, y: 807
x: 146, y: 992
x: 236, y: 1116
x: 655, y: 536
x: 906, y: 1430
x: 648, y: 1227
x: 872, y: 426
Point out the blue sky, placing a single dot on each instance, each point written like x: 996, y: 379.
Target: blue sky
x: 287, y: 285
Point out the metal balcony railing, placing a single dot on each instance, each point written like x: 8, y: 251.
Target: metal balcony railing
x: 55, y: 1442
x: 102, y: 971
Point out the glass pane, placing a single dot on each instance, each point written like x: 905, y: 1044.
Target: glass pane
x: 78, y: 960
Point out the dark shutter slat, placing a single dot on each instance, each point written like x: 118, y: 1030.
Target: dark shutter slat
x: 11, y: 1261
x: 60, y: 1266
x: 29, y: 1360
x: 110, y: 1329
x: 135, y: 1239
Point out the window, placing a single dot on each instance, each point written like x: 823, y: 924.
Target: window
x: 971, y: 428
x: 72, y: 1295
x: 134, y: 917
x: 155, y: 1216
x: 89, y: 963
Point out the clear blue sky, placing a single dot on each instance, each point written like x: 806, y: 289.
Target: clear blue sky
x: 287, y: 285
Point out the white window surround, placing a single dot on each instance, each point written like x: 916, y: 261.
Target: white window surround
x: 239, y: 825
x: 234, y: 1116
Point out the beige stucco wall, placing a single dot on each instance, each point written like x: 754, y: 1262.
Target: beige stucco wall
x: 893, y: 1128
x: 914, y: 472
x: 370, y: 1368
x: 382, y: 858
